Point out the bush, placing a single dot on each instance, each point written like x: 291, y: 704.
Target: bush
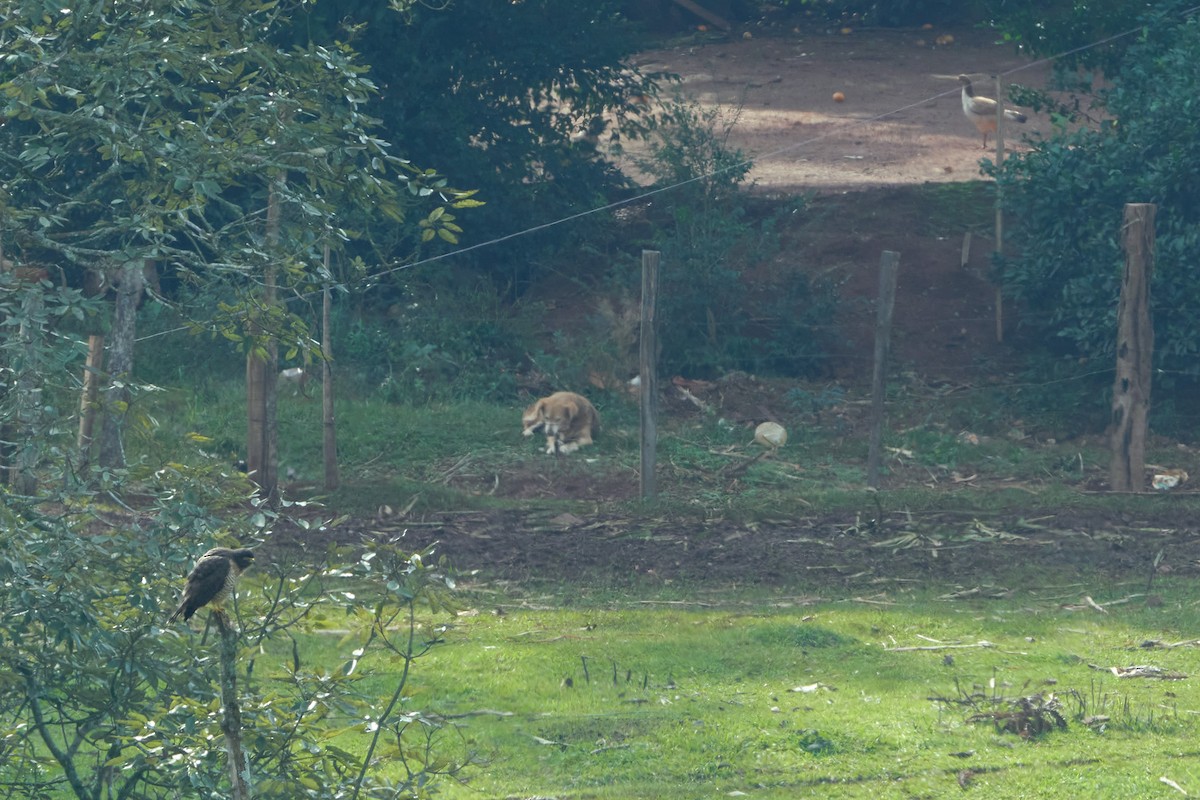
x: 501, y: 95
x: 890, y: 12
x: 1067, y: 196
x: 712, y: 318
x: 446, y: 335
x: 103, y: 698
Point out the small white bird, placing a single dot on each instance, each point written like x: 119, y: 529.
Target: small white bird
x: 982, y: 110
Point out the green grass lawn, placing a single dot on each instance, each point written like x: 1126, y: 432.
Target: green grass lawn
x: 700, y: 690
x: 717, y: 694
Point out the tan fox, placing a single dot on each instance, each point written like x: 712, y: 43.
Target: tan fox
x: 567, y: 420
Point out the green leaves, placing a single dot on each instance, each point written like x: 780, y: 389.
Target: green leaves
x: 1067, y: 196
x: 441, y: 224
x: 156, y: 133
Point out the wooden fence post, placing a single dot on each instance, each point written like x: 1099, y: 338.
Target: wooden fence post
x: 883, y: 334
x: 1135, y: 348
x: 648, y: 372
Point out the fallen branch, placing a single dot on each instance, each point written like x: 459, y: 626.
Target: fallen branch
x: 873, y: 602
x: 691, y: 398
x: 737, y: 469
x: 981, y: 643
x: 1141, y: 671
x: 482, y: 712
x: 1158, y: 644
x: 1092, y: 603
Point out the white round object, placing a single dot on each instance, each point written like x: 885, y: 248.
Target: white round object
x: 770, y: 434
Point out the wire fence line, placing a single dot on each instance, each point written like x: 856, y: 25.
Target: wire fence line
x: 846, y: 322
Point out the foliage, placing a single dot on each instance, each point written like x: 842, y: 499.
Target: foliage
x: 100, y: 700
x: 713, y: 319
x: 447, y: 334
x: 154, y: 133
x: 512, y: 98
x: 1079, y: 35
x: 888, y: 12
x: 1067, y: 196
x: 40, y: 368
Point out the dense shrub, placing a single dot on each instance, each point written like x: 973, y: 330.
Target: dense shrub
x: 509, y: 97
x: 1077, y: 35
x: 448, y: 334
x: 713, y: 317
x: 1067, y: 195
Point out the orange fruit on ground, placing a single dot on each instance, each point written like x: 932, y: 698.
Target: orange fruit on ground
x: 838, y: 97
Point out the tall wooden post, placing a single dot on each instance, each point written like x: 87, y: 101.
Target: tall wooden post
x: 883, y: 336
x: 1135, y: 349
x: 648, y: 371
x: 328, y: 420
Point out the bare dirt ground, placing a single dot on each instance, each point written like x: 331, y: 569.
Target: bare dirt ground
x: 901, y: 120
x: 832, y: 555
x: 899, y: 126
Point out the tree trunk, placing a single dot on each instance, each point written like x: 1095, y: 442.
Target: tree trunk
x: 130, y: 281
x: 262, y: 369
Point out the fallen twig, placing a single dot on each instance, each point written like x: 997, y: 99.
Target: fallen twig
x: 1158, y: 644
x: 1092, y: 603
x: 1141, y: 671
x: 1173, y: 785
x: 482, y: 712
x: 981, y: 643
x: 739, y: 468
x: 691, y: 398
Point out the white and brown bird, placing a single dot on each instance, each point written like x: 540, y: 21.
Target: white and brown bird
x: 212, y: 580
x: 982, y: 110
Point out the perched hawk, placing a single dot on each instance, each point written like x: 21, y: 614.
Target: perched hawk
x: 212, y: 580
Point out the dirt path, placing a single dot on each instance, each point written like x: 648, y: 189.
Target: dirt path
x: 901, y: 121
